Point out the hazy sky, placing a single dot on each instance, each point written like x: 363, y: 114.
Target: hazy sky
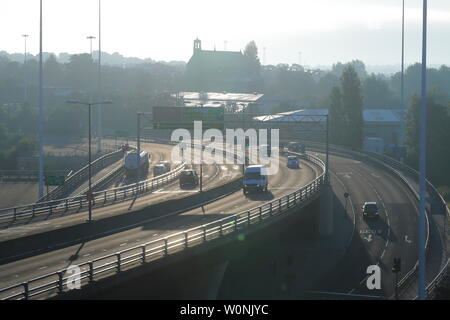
x: 324, y: 31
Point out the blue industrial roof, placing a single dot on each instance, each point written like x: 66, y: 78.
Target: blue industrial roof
x: 382, y: 115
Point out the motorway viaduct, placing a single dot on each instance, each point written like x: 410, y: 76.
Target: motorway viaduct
x: 286, y: 260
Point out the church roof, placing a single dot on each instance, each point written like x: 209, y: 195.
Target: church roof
x: 220, y: 60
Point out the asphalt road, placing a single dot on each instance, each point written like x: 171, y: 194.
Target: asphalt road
x: 378, y: 241
x: 213, y: 175
x: 287, y: 180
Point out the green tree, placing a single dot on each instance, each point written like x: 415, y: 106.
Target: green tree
x: 377, y: 94
x: 438, y: 141
x: 81, y: 72
x: 352, y: 104
x: 337, y: 118
x: 251, y: 52
x: 2, y: 135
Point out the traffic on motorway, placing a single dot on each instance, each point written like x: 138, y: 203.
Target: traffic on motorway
x: 293, y: 161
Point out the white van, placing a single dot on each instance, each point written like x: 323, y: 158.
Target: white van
x: 255, y: 179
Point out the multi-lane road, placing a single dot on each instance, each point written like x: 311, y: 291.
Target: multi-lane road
x: 286, y: 181
x: 213, y: 176
x: 377, y: 241
x: 371, y: 242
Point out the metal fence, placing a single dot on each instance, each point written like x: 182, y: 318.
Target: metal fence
x: 56, y: 282
x: 81, y: 176
x: 100, y: 198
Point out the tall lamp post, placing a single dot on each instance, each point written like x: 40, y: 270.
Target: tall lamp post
x: 90, y: 38
x: 99, y: 79
x: 422, y: 157
x: 402, y: 89
x: 89, y: 104
x: 25, y: 36
x: 41, y: 111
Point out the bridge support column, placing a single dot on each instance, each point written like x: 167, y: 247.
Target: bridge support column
x: 325, y: 217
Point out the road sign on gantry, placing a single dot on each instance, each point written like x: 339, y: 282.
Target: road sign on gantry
x: 54, y: 180
x: 184, y: 117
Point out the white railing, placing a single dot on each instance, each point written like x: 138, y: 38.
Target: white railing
x: 100, y: 198
x: 53, y: 283
x: 77, y: 178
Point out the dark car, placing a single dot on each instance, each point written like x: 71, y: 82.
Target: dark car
x: 188, y: 177
x: 293, y: 162
x: 370, y: 210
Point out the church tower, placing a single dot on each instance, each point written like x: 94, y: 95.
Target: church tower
x: 197, y: 45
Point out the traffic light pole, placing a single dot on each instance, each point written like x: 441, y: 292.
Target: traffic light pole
x: 396, y: 269
x: 138, y: 158
x: 201, y: 169
x: 89, y: 166
x: 327, y: 150
x: 396, y: 286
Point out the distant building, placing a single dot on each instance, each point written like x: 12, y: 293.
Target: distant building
x: 238, y: 107
x: 233, y: 102
x: 212, y: 70
x: 379, y: 124
x: 383, y: 123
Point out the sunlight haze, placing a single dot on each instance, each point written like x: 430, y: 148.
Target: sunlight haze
x: 324, y: 31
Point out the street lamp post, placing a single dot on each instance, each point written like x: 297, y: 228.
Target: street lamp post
x: 89, y: 104
x: 422, y: 157
x: 138, y: 158
x: 90, y: 38
x: 25, y: 36
x: 41, y: 111
x: 402, y: 89
x: 327, y: 159
x: 99, y: 79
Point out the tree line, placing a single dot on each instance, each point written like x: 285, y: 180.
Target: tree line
x: 346, y: 127
x: 346, y: 89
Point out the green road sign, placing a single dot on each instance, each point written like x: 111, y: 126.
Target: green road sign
x: 184, y: 117
x: 54, y: 180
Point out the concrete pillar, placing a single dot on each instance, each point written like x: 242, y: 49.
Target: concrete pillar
x: 325, y: 217
x: 218, y: 272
